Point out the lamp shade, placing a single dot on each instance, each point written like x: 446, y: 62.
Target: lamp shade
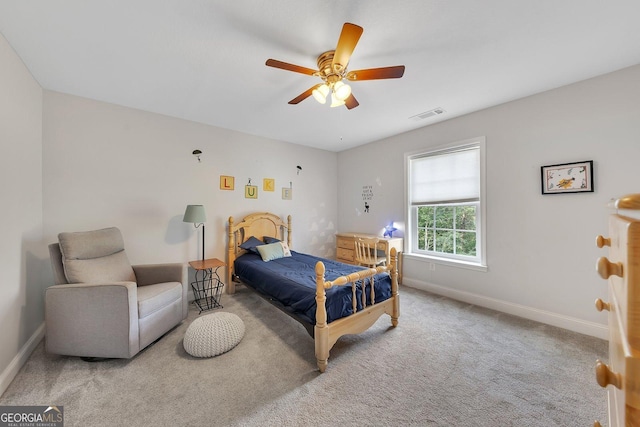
x: 320, y: 93
x: 335, y: 102
x: 341, y: 90
x: 194, y: 214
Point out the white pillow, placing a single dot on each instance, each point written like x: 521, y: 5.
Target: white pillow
x: 285, y: 249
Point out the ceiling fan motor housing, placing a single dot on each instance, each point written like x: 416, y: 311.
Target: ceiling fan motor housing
x: 326, y: 70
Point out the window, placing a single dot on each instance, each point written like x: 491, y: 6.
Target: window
x: 447, y: 229
x: 445, y: 209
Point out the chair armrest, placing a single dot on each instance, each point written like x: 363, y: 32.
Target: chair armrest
x: 150, y: 274
x: 92, y: 319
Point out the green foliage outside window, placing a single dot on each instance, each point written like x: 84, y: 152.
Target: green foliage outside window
x: 447, y: 229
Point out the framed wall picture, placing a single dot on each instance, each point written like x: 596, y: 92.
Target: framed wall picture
x: 567, y: 178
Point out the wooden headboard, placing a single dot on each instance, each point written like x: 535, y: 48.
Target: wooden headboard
x: 258, y: 224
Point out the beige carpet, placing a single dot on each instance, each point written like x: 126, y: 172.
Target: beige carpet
x: 446, y: 364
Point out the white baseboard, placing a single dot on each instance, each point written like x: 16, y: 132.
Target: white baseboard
x: 20, y: 359
x: 571, y: 323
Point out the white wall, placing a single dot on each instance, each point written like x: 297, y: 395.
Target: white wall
x: 540, y: 249
x: 71, y: 164
x: 23, y: 257
x: 107, y: 165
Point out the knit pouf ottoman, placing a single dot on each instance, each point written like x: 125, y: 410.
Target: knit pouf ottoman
x: 213, y: 334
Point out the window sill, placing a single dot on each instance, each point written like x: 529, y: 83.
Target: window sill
x: 445, y: 261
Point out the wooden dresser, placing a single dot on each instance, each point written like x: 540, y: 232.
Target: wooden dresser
x: 621, y: 268
x: 345, y: 249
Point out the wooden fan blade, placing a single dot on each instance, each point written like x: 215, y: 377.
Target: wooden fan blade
x: 304, y: 95
x: 346, y: 44
x: 351, y: 102
x: 289, y: 67
x: 376, y: 73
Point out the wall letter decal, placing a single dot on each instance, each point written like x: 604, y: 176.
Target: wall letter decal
x: 251, y: 191
x: 287, y: 193
x: 226, y: 182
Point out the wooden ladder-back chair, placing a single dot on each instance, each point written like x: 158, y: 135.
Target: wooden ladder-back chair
x: 367, y: 252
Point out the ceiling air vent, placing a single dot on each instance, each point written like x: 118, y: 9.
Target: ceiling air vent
x: 427, y: 114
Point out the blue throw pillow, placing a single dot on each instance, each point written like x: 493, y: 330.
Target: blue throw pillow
x: 250, y: 244
x: 268, y: 239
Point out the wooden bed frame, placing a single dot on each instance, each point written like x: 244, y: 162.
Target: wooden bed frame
x: 325, y: 334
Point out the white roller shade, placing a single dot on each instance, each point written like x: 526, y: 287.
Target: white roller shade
x: 447, y: 177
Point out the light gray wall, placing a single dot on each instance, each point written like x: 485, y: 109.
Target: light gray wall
x: 23, y: 258
x: 71, y: 164
x: 107, y: 165
x: 540, y: 249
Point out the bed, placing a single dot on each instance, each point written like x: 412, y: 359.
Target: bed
x: 329, y: 298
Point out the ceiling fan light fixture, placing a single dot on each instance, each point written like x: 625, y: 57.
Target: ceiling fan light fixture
x: 335, y: 101
x: 332, y: 69
x: 320, y: 93
x: 341, y: 90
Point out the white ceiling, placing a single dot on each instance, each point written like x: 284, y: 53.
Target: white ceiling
x: 203, y: 60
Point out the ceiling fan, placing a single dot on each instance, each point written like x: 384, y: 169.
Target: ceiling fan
x: 332, y: 69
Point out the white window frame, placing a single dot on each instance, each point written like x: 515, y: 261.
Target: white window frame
x: 411, y: 234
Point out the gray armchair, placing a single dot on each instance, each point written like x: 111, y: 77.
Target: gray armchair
x: 102, y: 306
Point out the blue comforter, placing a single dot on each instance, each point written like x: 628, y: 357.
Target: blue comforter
x: 291, y: 281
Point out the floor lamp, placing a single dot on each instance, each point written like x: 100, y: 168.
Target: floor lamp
x: 196, y: 215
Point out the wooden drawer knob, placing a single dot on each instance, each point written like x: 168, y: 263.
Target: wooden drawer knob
x: 606, y: 268
x: 597, y: 424
x: 606, y: 376
x: 601, y: 305
x: 602, y: 241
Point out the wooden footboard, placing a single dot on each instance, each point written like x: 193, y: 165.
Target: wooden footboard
x: 326, y: 334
